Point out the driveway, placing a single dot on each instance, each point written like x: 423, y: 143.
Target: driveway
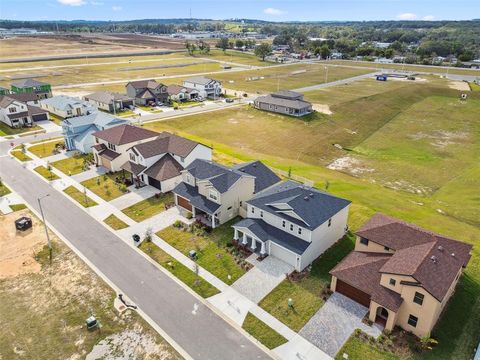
x: 333, y: 324
x: 263, y: 278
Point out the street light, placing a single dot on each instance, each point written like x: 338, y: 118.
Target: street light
x: 46, y: 229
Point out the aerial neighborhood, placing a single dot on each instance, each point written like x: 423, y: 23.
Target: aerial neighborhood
x: 278, y: 196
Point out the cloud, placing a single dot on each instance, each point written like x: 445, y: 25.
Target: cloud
x: 116, y: 8
x: 407, y: 16
x: 97, y: 3
x: 72, y: 2
x: 274, y: 12
x: 428, y: 18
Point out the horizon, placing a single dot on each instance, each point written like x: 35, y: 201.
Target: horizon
x: 278, y: 11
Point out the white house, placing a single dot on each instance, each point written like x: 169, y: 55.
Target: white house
x: 67, y: 106
x: 181, y: 93
x: 159, y: 162
x: 16, y: 113
x: 207, y: 88
x: 292, y: 222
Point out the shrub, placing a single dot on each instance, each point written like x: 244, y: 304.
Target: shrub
x: 178, y: 224
x: 189, y: 215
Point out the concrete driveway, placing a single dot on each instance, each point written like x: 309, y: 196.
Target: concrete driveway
x: 333, y: 324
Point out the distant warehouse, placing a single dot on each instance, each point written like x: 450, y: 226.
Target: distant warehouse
x: 284, y: 102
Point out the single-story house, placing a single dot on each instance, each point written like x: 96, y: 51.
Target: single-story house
x: 159, y: 162
x: 206, y: 87
x: 181, y: 93
x: 78, y: 131
x: 293, y: 222
x: 402, y: 273
x: 214, y: 193
x: 284, y: 102
x: 66, y: 106
x: 109, y: 101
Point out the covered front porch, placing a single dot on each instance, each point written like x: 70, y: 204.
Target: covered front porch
x: 247, y: 239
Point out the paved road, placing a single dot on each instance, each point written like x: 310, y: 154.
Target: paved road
x: 197, y: 329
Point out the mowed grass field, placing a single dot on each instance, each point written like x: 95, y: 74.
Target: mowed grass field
x: 243, y: 134
x: 285, y: 77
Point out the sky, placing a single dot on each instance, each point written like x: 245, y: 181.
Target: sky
x: 277, y: 10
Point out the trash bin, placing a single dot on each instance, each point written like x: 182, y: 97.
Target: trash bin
x: 136, y: 238
x: 192, y: 254
x: 91, y: 322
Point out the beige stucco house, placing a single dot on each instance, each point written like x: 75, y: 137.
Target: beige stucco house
x: 404, y: 274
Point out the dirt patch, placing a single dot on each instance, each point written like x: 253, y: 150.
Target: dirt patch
x: 459, y: 85
x: 79, y: 94
x: 350, y: 165
x: 441, y: 139
x: 322, y: 108
x: 18, y: 248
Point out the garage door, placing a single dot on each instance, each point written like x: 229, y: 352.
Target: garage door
x: 282, y: 254
x: 154, y: 182
x: 353, y: 293
x: 184, y: 203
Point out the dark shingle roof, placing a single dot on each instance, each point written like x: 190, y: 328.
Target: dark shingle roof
x: 204, y: 169
x: 266, y: 232
x: 27, y: 83
x: 300, y: 204
x: 133, y: 168
x: 198, y: 201
x: 23, y: 97
x: 288, y: 94
x: 124, y: 134
x: 264, y: 177
x: 175, y: 89
x: 107, y: 97
x: 166, y: 143
x: 165, y: 168
x: 145, y: 84
x: 109, y: 154
x: 201, y: 80
x: 272, y: 100
x: 35, y: 110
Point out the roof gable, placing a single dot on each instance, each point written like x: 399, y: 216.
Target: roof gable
x: 124, y: 134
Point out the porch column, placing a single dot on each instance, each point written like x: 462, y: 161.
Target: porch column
x: 262, y: 249
x: 213, y: 221
x: 254, y: 244
x: 235, y: 234
x: 244, y: 240
x: 193, y: 212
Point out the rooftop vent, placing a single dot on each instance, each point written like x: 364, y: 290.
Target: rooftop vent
x: 254, y: 165
x: 453, y: 254
x: 440, y: 248
x: 434, y: 259
x: 305, y: 198
x: 311, y: 195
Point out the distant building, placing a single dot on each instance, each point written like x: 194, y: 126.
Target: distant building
x: 336, y: 55
x: 66, y: 106
x: 284, y: 102
x: 41, y: 89
x: 4, y: 91
x: 109, y: 101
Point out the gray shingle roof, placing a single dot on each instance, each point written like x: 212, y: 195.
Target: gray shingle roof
x: 107, y: 97
x: 293, y: 201
x: 28, y: 83
x: 264, y: 177
x: 266, y: 232
x: 166, y: 143
x: 288, y: 94
x: 65, y: 103
x: 294, y: 104
x: 201, y: 80
x: 198, y: 201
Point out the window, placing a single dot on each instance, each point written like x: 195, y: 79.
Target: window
x: 97, y: 141
x: 299, y: 231
x: 329, y: 222
x: 12, y: 109
x: 229, y: 208
x: 393, y: 282
x: 213, y: 195
x: 189, y: 179
x: 386, y: 248
x: 418, y: 298
x: 111, y: 146
x: 253, y: 210
x: 132, y: 156
x: 291, y: 227
x: 364, y: 241
x: 412, y: 320
x: 241, y: 203
x: 283, y: 223
x: 261, y: 214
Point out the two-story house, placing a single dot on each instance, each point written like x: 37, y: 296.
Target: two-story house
x: 206, y: 87
x: 159, y: 162
x: 40, y: 89
x: 66, y: 106
x: 214, y: 194
x: 402, y: 273
x: 147, y: 91
x: 111, y: 145
x: 284, y: 102
x: 17, y: 114
x: 293, y: 222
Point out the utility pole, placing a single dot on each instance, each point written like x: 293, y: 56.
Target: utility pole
x: 326, y: 74
x: 45, y: 225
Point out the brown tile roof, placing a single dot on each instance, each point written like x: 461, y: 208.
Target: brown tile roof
x: 431, y: 259
x: 109, y: 154
x: 133, y: 168
x: 99, y: 147
x: 124, y: 134
x: 35, y: 110
x: 165, y: 168
x: 166, y: 143
x: 145, y: 84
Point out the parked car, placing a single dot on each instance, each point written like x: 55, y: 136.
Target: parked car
x: 131, y: 107
x: 229, y: 100
x: 24, y: 223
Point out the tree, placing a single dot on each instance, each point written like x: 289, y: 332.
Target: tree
x: 263, y: 50
x: 223, y: 44
x: 190, y: 48
x: 239, y: 43
x: 324, y: 51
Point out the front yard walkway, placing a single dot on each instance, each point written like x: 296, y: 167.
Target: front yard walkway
x: 89, y: 174
x: 263, y: 278
x: 134, y: 196
x: 333, y: 324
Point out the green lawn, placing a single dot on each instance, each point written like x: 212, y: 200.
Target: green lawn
x: 79, y: 197
x: 72, y: 165
x: 211, y: 252
x: 262, y: 332
x: 105, y: 186
x: 20, y: 155
x: 6, y: 130
x: 357, y: 349
x: 115, y: 223
x: 18, y: 207
x: 149, y: 207
x: 47, y: 174
x: 306, y: 293
x: 184, y: 274
x: 4, y: 190
x: 44, y: 149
